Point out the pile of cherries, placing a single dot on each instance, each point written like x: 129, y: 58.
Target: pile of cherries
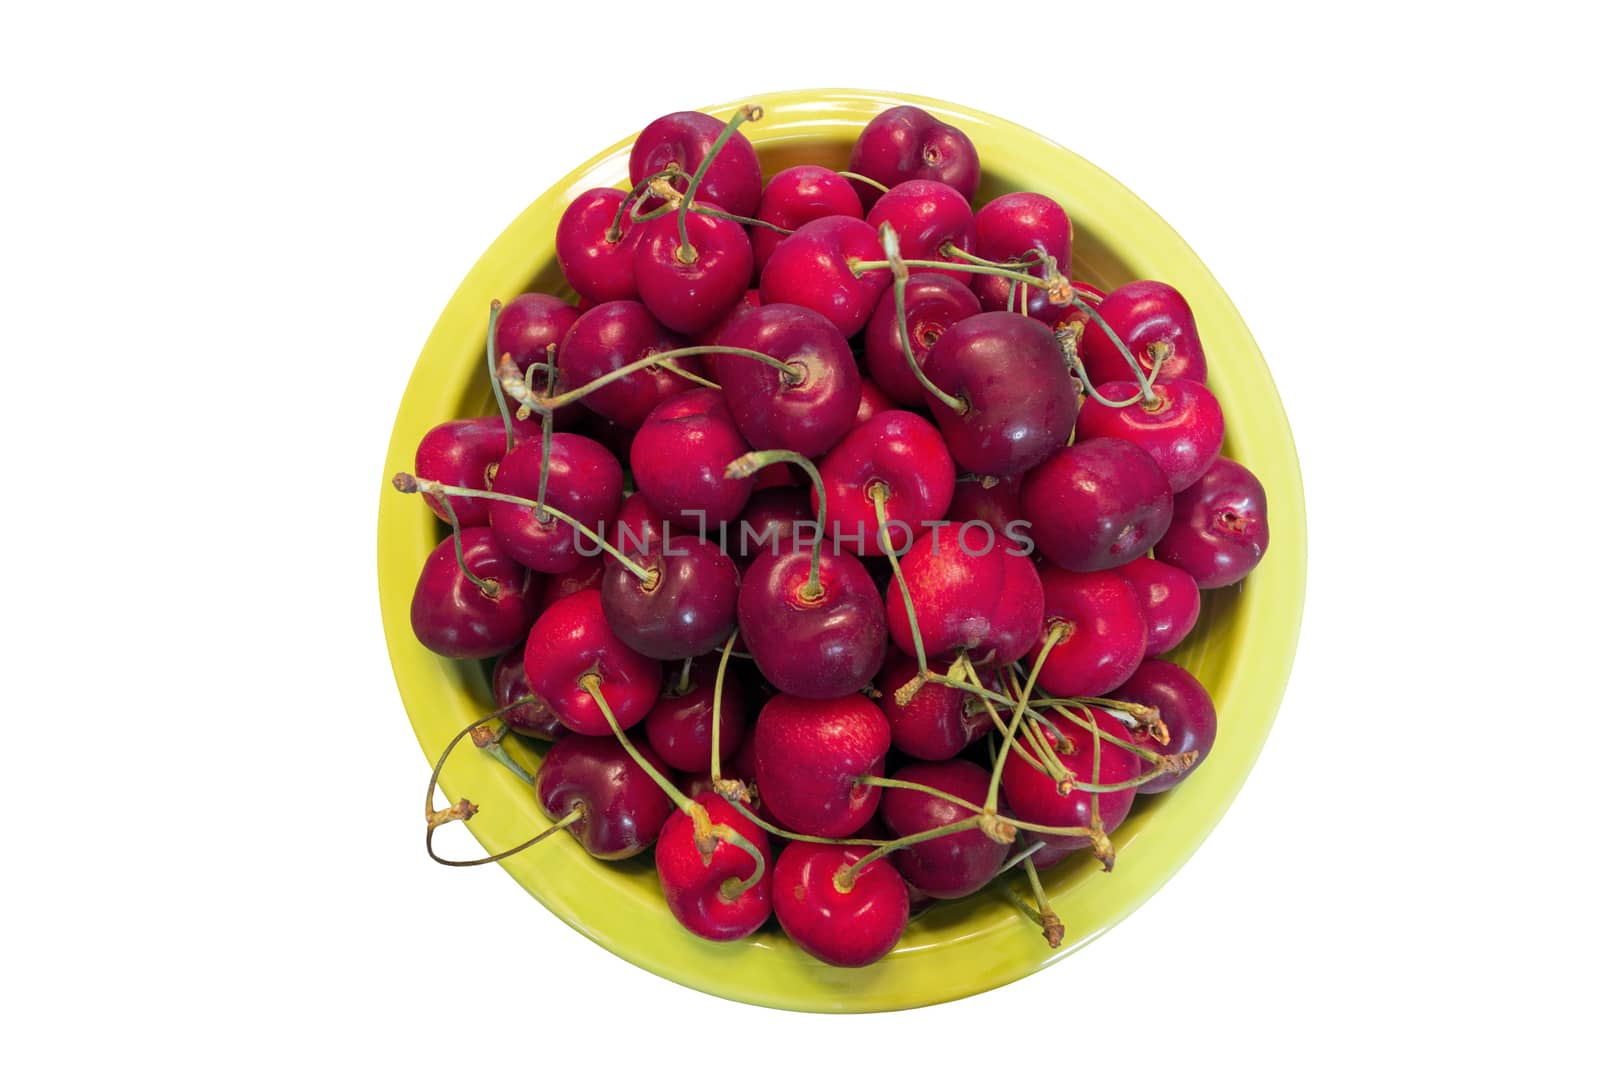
x: 913, y: 517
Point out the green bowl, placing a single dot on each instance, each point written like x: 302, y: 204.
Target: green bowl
x: 1241, y: 649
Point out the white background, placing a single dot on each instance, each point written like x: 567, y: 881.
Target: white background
x: 226, y: 233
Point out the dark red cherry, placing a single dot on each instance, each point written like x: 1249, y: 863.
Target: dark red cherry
x: 585, y: 482
x: 1020, y: 401
x: 1144, y: 314
x: 529, y: 325
x: 819, y: 647
x: 680, y: 455
x: 706, y: 897
x: 813, y: 267
x: 586, y: 575
x: 623, y: 808
x: 747, y: 303
x: 679, y: 726
x: 954, y: 865
x: 808, y: 408
x: 1010, y: 227
x: 598, y: 269
x: 934, y: 303
x: 688, y: 606
x: 1170, y: 600
x: 845, y: 928
x: 526, y: 711
x: 1105, y: 636
x: 639, y: 525
x: 1034, y: 797
x: 874, y: 401
x: 927, y: 216
x: 454, y: 617
x: 905, y: 143
x: 901, y: 455
x: 1097, y: 504
x: 733, y: 180
x: 809, y: 757
x: 613, y: 335
x: 466, y: 453
x: 1186, y: 711
x: 994, y: 502
x: 939, y: 721
x: 572, y: 642
x: 690, y: 292
x: 1219, y: 526
x: 796, y: 196
x: 1181, y: 429
x: 778, y: 520
x: 973, y: 591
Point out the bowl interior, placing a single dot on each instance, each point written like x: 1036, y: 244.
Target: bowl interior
x: 1241, y: 649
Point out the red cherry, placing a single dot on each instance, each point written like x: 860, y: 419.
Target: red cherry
x: 598, y: 268
x: 613, y: 335
x: 747, y: 303
x: 572, y: 642
x: 817, y: 647
x: 454, y: 617
x: 973, y: 593
x: 934, y: 303
x: 809, y: 757
x: 1035, y: 797
x: 679, y: 726
x: 638, y: 525
x: 939, y: 721
x: 1186, y: 711
x: 992, y: 502
x: 1219, y: 526
x: 874, y: 401
x: 1105, y: 635
x: 688, y: 606
x: 685, y: 137
x: 1097, y: 504
x: 679, y: 457
x: 954, y: 865
x: 1169, y: 598
x: 1143, y: 314
x: 529, y: 325
x: 586, y: 575
x: 1008, y: 228
x: 691, y: 293
x: 900, y: 454
x: 812, y: 268
x: 926, y: 216
x: 906, y: 142
x: 585, y: 482
x: 526, y: 711
x: 1181, y: 428
x: 776, y: 522
x: 623, y: 808
x: 464, y: 452
x: 796, y: 196
x: 846, y: 928
x: 704, y: 896
x: 810, y: 407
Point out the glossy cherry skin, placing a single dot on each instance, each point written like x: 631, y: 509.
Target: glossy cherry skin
x: 874, y: 401
x: 906, y: 143
x: 1105, y: 632
x: 1010, y: 227
x: 586, y: 575
x: 526, y: 711
x: 796, y: 196
x: 639, y: 525
x: 1020, y: 399
x: 700, y: 895
x: 1143, y: 313
x: 905, y: 455
x: 585, y: 482
x: 597, y: 268
x: 1219, y: 526
x: 1034, y: 797
x: 1169, y: 598
x: 809, y: 755
x: 613, y: 335
x: 733, y: 180
x: 812, y: 267
x: 973, y: 592
x: 776, y: 521
x: 571, y: 641
x: 688, y: 610
x: 452, y: 617
x: 995, y: 502
x: 1096, y: 505
x: 845, y: 929
x: 1186, y: 711
x: 818, y: 649
x: 529, y: 325
x: 939, y: 721
x: 686, y: 295
x: 954, y: 865
x: 1182, y: 429
x: 926, y: 216
x: 713, y: 336
x: 680, y: 455
x: 934, y: 303
x: 467, y: 453
x: 623, y: 808
x: 810, y: 415
x: 679, y: 726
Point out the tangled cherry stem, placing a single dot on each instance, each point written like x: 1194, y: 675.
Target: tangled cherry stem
x: 1053, y: 930
x: 748, y: 113
x: 1052, y: 636
x: 614, y: 232
x: 1068, y: 334
x: 751, y: 462
x: 410, y: 483
x: 1136, y: 715
x: 858, y: 267
x: 902, y: 275
x: 494, y: 379
x: 1145, y: 393
x: 1076, y: 712
x: 547, y: 427
x: 514, y: 384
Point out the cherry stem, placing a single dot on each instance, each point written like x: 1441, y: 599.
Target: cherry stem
x: 1073, y: 711
x: 732, y: 890
x: 902, y: 275
x: 489, y: 741
x: 748, y: 113
x: 977, y: 689
x: 917, y: 787
x: 716, y: 708
x: 859, y: 267
x: 1056, y: 632
x: 863, y: 179
x: 590, y: 684
x: 778, y: 831
x: 510, y: 378
x: 547, y: 425
x: 1054, y: 931
x: 614, y: 233
x: 488, y: 587
x: 494, y: 379
x: 1067, y: 336
x: 409, y: 483
x: 1138, y: 371
x: 879, y: 494
x: 751, y: 462
x: 845, y: 880
x: 715, y: 213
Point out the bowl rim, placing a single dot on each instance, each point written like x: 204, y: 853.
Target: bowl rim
x: 987, y: 948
